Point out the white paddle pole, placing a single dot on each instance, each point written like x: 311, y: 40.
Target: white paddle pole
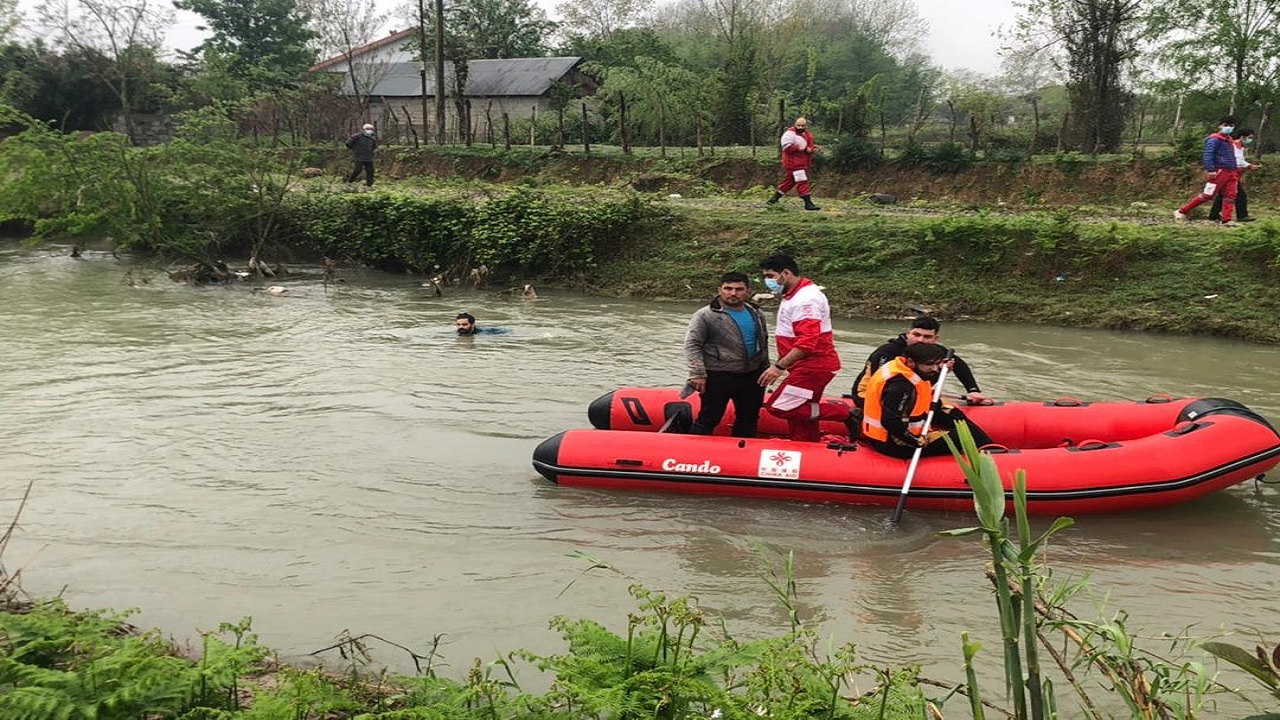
x: 915, y: 456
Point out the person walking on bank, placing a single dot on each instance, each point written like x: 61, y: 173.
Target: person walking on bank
x: 362, y: 145
x: 798, y: 149
x: 1221, y: 174
x: 806, y: 353
x: 727, y: 347
x: 1242, y: 138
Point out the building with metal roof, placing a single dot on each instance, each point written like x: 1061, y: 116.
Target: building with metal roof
x: 497, y: 92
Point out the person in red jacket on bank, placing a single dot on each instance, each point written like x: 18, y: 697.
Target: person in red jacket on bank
x: 798, y: 149
x: 1220, y: 173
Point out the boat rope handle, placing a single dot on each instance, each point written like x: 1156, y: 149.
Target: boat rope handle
x: 1067, y: 402
x: 1159, y: 398
x: 1185, y: 427
x: 1084, y: 445
x: 994, y: 448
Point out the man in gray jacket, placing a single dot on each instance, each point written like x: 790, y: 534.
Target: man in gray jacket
x: 727, y: 347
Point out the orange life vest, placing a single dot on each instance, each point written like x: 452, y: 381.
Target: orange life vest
x: 873, y: 411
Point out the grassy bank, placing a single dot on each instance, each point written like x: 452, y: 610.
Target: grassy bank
x: 1041, y: 268
x: 1070, y: 242
x: 1075, y: 241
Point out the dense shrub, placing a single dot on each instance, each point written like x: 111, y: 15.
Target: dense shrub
x: 912, y: 155
x: 851, y: 153
x: 947, y: 159
x: 518, y: 231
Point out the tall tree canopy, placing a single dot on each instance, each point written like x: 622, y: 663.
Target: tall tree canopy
x: 124, y: 34
x: 263, y: 43
x: 489, y: 29
x: 342, y: 26
x: 602, y: 19
x: 1095, y: 41
x: 9, y: 18
x: 1236, y: 50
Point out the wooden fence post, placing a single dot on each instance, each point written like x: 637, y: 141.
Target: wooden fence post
x: 622, y: 124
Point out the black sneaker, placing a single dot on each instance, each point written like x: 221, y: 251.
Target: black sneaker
x: 1246, y: 219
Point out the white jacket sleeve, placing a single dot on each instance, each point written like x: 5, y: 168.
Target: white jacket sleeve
x: 790, y: 138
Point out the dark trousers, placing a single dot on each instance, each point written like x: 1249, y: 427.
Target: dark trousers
x: 362, y: 166
x: 747, y: 395
x: 1242, y: 205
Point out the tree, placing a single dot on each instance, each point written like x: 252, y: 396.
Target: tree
x: 1239, y: 42
x: 621, y: 49
x: 127, y: 35
x: 736, y: 53
x: 1095, y: 39
x: 342, y: 26
x: 661, y: 99
x: 9, y: 18
x: 489, y: 29
x: 1026, y: 73
x: 262, y: 43
x: 602, y: 19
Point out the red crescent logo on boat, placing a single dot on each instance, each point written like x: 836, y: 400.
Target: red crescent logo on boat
x: 705, y: 466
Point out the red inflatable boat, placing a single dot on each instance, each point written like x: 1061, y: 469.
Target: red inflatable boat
x: 1079, y: 457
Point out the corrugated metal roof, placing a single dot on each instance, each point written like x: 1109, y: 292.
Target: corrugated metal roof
x: 485, y: 78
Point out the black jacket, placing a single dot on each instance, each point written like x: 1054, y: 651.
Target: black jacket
x: 894, y: 348
x: 362, y: 147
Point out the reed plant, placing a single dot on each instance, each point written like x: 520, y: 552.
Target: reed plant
x: 1088, y: 654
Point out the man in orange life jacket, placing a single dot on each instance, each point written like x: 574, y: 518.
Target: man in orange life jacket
x: 806, y: 352
x: 897, y: 402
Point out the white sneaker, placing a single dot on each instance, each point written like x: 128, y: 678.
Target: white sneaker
x: 1229, y: 223
x: 1179, y: 215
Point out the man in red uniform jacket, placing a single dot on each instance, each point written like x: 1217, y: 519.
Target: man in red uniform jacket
x: 798, y: 149
x: 806, y: 353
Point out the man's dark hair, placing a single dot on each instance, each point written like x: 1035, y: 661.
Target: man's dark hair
x: 1227, y: 120
x: 924, y: 352
x: 469, y: 317
x: 925, y: 322
x: 1242, y: 133
x: 778, y: 263
x: 735, y: 277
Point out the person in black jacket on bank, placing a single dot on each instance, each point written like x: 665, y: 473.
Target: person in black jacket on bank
x: 923, y: 329
x: 362, y: 145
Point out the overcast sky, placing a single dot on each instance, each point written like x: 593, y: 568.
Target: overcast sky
x: 961, y: 34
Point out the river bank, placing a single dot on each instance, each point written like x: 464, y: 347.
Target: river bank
x: 1067, y: 240
x: 1058, y: 268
